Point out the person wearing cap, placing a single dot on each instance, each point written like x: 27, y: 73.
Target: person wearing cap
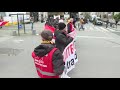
x: 47, y: 58
x: 61, y: 37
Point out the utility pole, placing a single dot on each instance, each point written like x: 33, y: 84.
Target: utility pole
x: 18, y: 22
x: 24, y: 24
x: 18, y: 25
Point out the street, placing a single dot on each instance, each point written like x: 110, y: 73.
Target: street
x: 98, y: 51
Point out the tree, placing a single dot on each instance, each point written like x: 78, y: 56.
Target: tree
x: 113, y: 13
x: 117, y: 18
x: 87, y: 16
x: 104, y: 16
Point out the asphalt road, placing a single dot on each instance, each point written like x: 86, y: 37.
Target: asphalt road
x: 97, y: 49
x: 98, y: 53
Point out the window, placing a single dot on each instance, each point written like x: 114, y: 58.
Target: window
x: 2, y: 14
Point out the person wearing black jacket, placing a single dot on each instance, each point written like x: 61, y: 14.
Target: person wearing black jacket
x: 61, y: 37
x: 45, y: 47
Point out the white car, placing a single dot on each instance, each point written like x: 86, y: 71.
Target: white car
x: 26, y: 18
x: 98, y: 21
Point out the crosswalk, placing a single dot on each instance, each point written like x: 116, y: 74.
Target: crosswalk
x: 90, y: 27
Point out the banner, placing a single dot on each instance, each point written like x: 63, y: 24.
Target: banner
x: 58, y: 16
x: 70, y: 59
x: 72, y: 34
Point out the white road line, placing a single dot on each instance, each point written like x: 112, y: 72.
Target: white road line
x: 91, y: 28
x: 5, y: 38
x: 116, y: 46
x: 94, y: 28
x: 94, y: 37
x: 109, y: 29
x: 112, y: 30
x: 97, y: 29
x: 104, y: 29
x: 18, y: 41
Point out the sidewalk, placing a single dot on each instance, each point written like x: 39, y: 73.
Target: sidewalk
x: 7, y: 31
x: 15, y: 53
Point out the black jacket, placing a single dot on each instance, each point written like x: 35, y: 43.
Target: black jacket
x: 68, y: 28
x: 57, y: 58
x: 62, y: 40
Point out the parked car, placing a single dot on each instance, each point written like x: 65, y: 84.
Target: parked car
x: 98, y: 21
x: 27, y: 19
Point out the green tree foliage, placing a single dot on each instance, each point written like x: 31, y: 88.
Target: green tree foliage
x: 117, y: 17
x: 104, y: 16
x: 87, y: 16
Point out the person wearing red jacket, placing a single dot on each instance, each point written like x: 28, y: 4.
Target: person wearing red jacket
x: 47, y: 58
x: 1, y: 20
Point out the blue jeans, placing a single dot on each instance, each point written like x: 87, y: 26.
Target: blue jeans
x: 81, y: 27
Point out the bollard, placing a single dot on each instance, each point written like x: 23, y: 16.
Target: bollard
x: 14, y: 33
x: 33, y: 32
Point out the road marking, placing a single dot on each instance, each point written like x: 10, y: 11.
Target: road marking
x: 5, y: 38
x: 91, y: 28
x: 94, y: 37
x: 18, y: 41
x: 116, y: 46
x: 112, y: 30
x: 104, y: 29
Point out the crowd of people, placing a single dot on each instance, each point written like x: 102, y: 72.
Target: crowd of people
x: 48, y: 56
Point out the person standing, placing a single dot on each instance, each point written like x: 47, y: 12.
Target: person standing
x: 81, y: 24
x: 61, y: 37
x: 74, y: 22
x: 107, y: 23
x: 47, y: 58
x: 1, y: 20
x: 70, y: 26
x: 32, y: 22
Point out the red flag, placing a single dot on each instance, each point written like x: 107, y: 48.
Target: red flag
x: 3, y: 23
x: 47, y: 27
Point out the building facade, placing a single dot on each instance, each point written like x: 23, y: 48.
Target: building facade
x: 13, y: 18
